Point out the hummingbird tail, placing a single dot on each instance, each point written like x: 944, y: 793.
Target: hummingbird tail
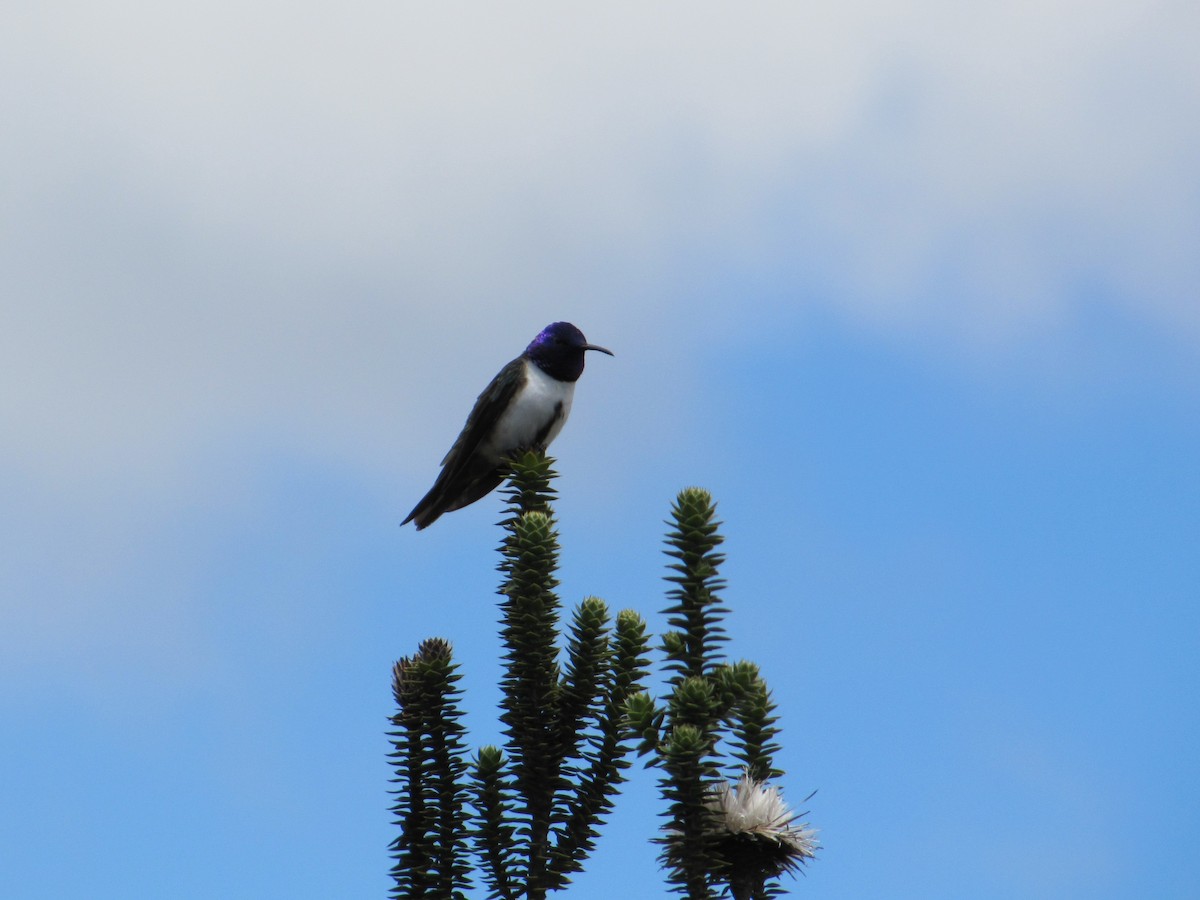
x: 454, y: 492
x: 426, y: 512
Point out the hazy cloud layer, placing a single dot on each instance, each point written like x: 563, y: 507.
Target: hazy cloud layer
x: 226, y: 229
x: 215, y: 214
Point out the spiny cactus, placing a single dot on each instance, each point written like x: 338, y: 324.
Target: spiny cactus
x: 536, y: 803
x: 716, y: 721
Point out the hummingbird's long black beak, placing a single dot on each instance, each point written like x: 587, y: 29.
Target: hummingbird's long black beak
x: 601, y: 349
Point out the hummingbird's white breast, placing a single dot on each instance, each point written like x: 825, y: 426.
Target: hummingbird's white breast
x: 541, y: 404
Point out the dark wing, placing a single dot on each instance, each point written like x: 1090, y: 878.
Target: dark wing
x: 464, y: 477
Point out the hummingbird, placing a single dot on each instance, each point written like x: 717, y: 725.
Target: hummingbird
x: 523, y: 408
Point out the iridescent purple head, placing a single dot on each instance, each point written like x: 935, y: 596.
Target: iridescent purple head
x: 558, y: 351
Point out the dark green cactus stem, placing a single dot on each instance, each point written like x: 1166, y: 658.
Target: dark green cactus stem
x: 494, y: 836
x: 430, y: 761
x: 605, y: 754
x: 564, y: 730
x: 529, y: 488
x: 688, y: 776
x: 588, y: 657
x: 531, y: 690
x: 696, y: 613
x: 752, y: 719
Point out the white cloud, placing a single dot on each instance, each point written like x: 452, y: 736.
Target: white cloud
x: 232, y: 221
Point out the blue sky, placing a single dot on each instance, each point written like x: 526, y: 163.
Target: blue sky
x: 913, y: 291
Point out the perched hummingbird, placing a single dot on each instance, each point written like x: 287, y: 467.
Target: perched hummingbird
x: 524, y: 408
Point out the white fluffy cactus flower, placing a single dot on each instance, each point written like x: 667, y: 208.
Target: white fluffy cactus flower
x: 754, y: 835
